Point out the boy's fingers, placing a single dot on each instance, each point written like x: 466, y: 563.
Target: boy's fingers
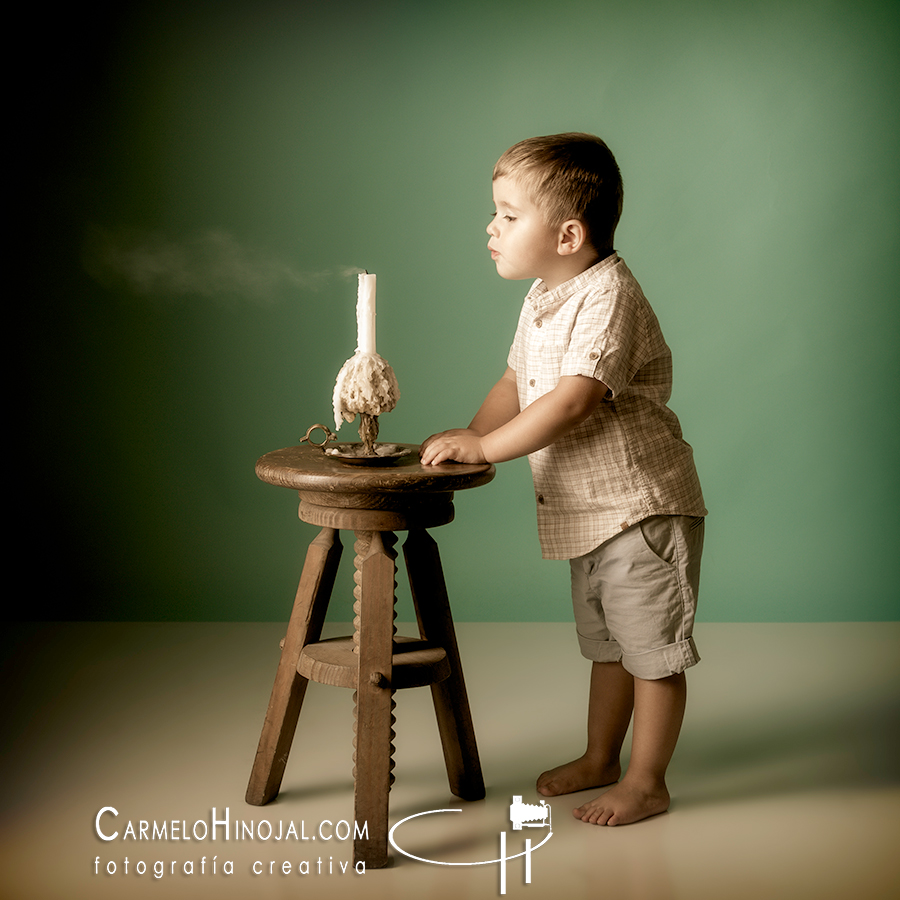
x: 434, y: 457
x: 427, y: 456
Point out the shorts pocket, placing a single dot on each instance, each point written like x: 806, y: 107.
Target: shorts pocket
x: 659, y: 537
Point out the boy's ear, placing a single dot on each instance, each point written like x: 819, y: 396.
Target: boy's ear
x: 571, y: 238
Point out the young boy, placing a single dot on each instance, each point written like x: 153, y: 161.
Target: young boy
x: 584, y: 396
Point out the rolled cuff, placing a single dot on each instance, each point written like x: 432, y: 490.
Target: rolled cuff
x: 651, y: 665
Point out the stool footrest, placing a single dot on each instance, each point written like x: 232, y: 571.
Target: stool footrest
x: 414, y: 663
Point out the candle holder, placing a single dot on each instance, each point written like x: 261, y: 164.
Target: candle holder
x: 362, y: 454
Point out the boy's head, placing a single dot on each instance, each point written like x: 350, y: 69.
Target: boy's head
x: 569, y: 176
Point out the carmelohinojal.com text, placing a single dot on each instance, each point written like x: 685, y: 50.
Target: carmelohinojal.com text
x: 108, y: 827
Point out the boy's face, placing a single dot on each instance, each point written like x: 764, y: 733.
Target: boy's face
x: 522, y: 244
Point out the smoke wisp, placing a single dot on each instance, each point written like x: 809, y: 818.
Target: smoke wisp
x: 212, y: 264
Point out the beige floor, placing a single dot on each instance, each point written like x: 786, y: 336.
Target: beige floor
x: 785, y: 784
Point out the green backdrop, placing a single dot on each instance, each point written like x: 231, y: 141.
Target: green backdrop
x: 201, y: 176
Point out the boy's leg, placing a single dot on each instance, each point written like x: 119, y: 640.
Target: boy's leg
x: 658, y: 713
x: 609, y: 712
x: 664, y: 553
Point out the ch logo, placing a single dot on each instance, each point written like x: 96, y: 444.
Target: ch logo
x: 527, y: 814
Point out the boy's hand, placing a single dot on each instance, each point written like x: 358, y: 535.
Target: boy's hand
x: 460, y: 445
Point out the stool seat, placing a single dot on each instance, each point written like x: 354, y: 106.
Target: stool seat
x: 373, y: 503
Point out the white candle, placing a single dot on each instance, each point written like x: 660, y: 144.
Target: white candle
x: 365, y: 315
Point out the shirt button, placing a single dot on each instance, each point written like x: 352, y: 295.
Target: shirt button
x: 538, y: 323
x: 540, y: 498
x: 593, y: 355
x: 531, y: 383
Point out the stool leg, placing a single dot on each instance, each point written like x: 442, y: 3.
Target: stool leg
x: 451, y: 703
x: 304, y: 627
x: 374, y: 697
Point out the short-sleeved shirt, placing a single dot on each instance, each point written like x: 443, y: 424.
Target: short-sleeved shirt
x: 628, y: 460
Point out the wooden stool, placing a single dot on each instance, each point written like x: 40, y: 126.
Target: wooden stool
x: 373, y: 502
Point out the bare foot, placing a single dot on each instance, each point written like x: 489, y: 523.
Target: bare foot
x: 625, y: 803
x: 578, y: 775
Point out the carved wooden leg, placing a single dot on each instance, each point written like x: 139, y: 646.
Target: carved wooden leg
x: 304, y: 627
x: 451, y: 704
x: 374, y: 701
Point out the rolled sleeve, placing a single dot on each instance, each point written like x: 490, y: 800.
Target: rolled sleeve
x: 585, y: 362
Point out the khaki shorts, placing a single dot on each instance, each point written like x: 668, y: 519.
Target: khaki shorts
x: 635, y: 596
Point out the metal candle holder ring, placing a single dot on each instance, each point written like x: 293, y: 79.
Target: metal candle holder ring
x: 329, y: 435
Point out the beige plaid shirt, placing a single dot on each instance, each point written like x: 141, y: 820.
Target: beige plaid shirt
x: 627, y: 461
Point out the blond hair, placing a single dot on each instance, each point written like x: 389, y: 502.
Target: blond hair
x: 569, y: 176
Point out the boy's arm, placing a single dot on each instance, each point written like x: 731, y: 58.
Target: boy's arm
x: 500, y: 405
x: 546, y: 420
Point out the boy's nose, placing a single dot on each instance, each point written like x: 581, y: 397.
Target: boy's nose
x: 491, y: 230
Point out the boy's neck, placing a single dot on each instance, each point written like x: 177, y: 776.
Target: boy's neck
x: 575, y: 265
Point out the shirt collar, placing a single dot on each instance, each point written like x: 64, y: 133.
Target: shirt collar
x: 541, y: 297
